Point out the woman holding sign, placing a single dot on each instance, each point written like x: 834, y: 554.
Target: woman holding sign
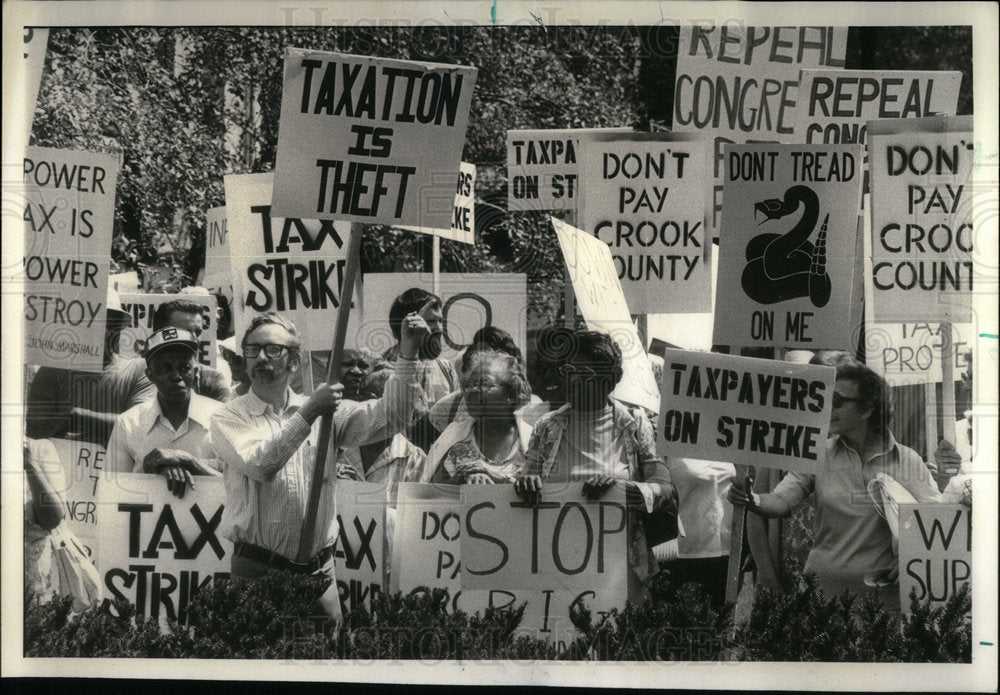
x: 488, y: 446
x: 599, y: 442
x: 852, y: 542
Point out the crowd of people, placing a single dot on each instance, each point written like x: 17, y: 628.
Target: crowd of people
x: 499, y: 415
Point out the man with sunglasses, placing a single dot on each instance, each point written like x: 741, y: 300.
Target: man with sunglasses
x: 267, y: 439
x: 852, y: 542
x: 169, y: 434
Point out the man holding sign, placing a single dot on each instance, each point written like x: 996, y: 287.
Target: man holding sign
x: 169, y: 434
x: 267, y: 439
x: 852, y: 548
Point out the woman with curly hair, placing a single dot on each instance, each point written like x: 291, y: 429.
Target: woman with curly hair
x: 487, y: 445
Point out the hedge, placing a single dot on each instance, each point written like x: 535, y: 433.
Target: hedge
x: 273, y: 618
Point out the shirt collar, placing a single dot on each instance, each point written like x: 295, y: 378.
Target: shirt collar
x: 258, y: 407
x: 890, y: 446
x: 200, y: 409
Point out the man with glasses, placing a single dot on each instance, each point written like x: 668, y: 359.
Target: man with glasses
x: 852, y: 546
x: 169, y: 434
x: 267, y: 439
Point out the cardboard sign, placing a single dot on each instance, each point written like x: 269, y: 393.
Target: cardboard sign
x: 36, y: 42
x: 463, y: 221
x: 142, y: 307
x: 470, y: 301
x: 744, y: 410
x: 835, y: 105
x: 566, y: 543
x: 68, y: 220
x: 425, y: 547
x: 575, y: 554
x: 359, y: 555
x: 602, y: 303
x: 82, y: 465
x: 292, y: 266
x: 935, y: 552
x: 646, y: 199
x: 157, y: 550
x: 922, y: 228
x: 739, y: 83
x: 910, y: 353
x: 218, y: 277
x: 543, y: 167
x: 788, y: 246
x: 370, y: 139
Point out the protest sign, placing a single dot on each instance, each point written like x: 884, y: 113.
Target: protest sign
x: 463, y: 221
x: 738, y: 83
x: 82, y: 465
x: 910, y: 353
x: 567, y: 553
x: 425, y: 545
x: 157, y: 550
x: 566, y: 543
x: 142, y: 307
x: 922, y: 229
x: 543, y: 167
x: 744, y: 410
x: 218, y: 277
x: 834, y: 106
x: 646, y: 199
x: 292, y: 266
x: 935, y: 552
x: 68, y: 220
x: 602, y: 303
x: 788, y: 246
x: 360, y: 552
x: 36, y: 41
x: 470, y: 301
x: 370, y: 139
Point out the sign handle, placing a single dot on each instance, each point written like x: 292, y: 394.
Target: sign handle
x: 332, y: 376
x: 307, y: 373
x: 948, y: 383
x: 736, y: 543
x: 569, y: 298
x: 930, y: 417
x: 436, y: 265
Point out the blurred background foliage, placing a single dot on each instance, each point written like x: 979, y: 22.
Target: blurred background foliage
x: 182, y: 106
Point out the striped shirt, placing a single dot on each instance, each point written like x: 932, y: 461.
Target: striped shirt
x: 269, y: 454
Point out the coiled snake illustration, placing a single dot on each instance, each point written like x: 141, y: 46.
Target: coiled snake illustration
x: 787, y: 266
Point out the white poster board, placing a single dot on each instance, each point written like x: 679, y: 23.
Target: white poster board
x: 745, y: 410
x: 788, y: 248
x: 292, y: 266
x: 602, y: 303
x: 158, y: 550
x: 463, y: 221
x: 68, y: 212
x: 646, y: 199
x: 922, y: 219
x: 371, y: 140
x: 470, y: 301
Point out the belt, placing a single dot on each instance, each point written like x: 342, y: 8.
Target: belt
x: 280, y: 562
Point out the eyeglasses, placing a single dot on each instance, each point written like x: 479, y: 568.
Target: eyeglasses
x: 272, y: 350
x: 838, y: 400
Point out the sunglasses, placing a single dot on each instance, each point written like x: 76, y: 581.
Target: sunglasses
x: 838, y: 400
x: 272, y: 350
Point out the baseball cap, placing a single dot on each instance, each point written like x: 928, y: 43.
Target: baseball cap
x: 170, y: 337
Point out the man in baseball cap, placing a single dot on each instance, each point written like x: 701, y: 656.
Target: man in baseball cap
x: 168, y: 435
